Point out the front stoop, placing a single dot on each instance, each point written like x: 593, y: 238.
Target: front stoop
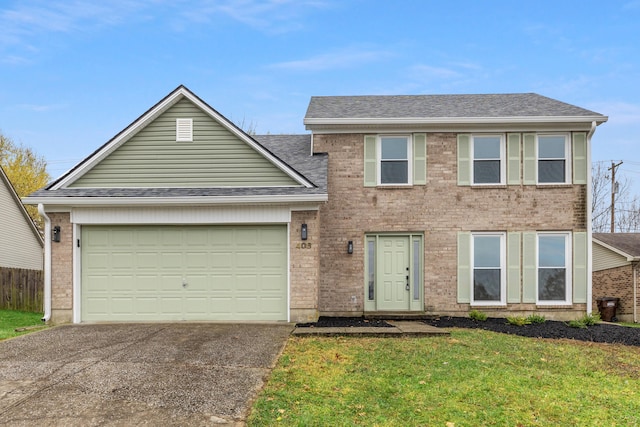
x: 400, y: 328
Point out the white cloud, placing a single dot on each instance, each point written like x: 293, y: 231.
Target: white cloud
x: 340, y: 59
x: 41, y: 108
x: 620, y: 113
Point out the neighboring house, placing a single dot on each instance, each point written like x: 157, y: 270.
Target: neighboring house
x: 21, y: 243
x: 393, y: 205
x: 616, y: 261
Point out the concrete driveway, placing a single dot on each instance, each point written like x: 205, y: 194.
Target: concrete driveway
x: 137, y: 374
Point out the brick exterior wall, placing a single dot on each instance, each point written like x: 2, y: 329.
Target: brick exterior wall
x: 618, y: 283
x: 439, y: 209
x: 304, y: 266
x: 62, y: 270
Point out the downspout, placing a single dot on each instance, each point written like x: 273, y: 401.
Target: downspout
x: 589, y: 225
x: 47, y: 263
x: 635, y: 291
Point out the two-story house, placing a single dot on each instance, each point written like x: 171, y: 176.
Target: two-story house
x: 393, y: 204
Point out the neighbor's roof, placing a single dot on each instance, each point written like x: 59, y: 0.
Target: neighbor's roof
x: 439, y: 108
x: 629, y: 243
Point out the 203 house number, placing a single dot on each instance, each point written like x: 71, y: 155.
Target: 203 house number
x: 303, y: 245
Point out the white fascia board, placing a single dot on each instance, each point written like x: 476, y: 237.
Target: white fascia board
x: 170, y: 201
x: 629, y: 258
x: 453, y: 120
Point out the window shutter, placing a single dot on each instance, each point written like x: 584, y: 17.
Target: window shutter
x: 530, y: 167
x: 370, y: 161
x: 580, y: 267
x: 513, y: 267
x: 513, y: 159
x: 419, y: 159
x: 529, y: 265
x: 464, y: 159
x: 464, y: 267
x: 184, y: 130
x: 580, y: 171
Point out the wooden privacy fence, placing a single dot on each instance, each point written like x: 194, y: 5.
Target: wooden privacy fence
x: 21, y: 289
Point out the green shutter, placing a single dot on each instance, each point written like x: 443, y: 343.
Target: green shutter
x: 464, y: 267
x: 419, y: 159
x: 370, y: 161
x: 464, y: 159
x: 513, y: 267
x: 530, y: 167
x: 529, y: 266
x: 580, y: 165
x: 580, y: 267
x: 513, y: 159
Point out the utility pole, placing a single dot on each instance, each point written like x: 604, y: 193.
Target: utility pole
x: 614, y: 190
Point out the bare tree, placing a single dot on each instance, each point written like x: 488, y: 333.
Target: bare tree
x: 627, y: 209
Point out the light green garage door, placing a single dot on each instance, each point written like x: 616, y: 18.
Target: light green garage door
x: 149, y: 273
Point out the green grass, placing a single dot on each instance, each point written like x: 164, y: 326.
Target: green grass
x: 10, y: 320
x: 471, y: 378
x: 630, y: 324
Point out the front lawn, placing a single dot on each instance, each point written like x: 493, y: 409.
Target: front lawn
x: 10, y: 320
x: 471, y: 378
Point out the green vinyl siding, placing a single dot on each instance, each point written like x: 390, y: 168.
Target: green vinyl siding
x: 215, y: 157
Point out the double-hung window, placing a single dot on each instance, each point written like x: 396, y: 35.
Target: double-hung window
x: 554, y: 268
x: 395, y: 164
x: 488, y: 269
x: 488, y: 153
x: 553, y: 159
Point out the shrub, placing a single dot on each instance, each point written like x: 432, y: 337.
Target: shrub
x: 478, y: 315
x: 518, y: 320
x: 586, y: 320
x: 536, y: 318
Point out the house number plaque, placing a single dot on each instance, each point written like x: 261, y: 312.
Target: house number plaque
x: 303, y: 245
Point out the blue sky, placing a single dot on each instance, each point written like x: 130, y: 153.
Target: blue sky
x: 74, y: 73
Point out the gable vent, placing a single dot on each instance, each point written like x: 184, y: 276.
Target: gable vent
x: 184, y: 129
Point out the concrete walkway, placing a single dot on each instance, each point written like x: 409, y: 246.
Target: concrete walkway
x: 400, y: 328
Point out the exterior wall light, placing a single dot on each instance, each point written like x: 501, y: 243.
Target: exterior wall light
x: 350, y: 247
x: 303, y: 232
x: 56, y: 234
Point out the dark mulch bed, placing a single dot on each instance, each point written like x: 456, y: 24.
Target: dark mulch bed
x: 602, y: 332
x: 345, y: 322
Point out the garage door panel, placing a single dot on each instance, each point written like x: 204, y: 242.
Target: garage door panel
x: 137, y: 272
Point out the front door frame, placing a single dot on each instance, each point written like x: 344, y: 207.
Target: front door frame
x: 416, y: 271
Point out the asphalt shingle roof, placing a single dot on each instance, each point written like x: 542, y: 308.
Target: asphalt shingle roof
x: 628, y: 243
x: 435, y: 106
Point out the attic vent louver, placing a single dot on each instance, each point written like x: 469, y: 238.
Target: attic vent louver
x: 184, y: 130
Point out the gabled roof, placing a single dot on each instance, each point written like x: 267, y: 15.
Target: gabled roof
x: 294, y: 150
x: 491, y: 108
x: 4, y: 180
x: 176, y: 95
x: 625, y: 244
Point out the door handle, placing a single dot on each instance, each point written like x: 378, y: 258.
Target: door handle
x: 407, y: 287
x: 184, y: 282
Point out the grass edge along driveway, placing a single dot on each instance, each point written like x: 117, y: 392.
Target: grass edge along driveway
x: 471, y: 378
x: 12, y: 319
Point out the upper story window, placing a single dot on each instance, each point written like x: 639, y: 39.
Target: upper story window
x: 394, y: 163
x: 554, y: 268
x: 488, y: 269
x: 488, y: 154
x: 553, y: 159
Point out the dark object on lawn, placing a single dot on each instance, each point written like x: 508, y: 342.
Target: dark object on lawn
x: 607, y: 307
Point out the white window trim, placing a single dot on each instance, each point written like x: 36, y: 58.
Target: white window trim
x: 409, y: 139
x: 567, y: 158
x: 568, y: 266
x: 503, y: 269
x: 503, y: 160
x: 184, y: 130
